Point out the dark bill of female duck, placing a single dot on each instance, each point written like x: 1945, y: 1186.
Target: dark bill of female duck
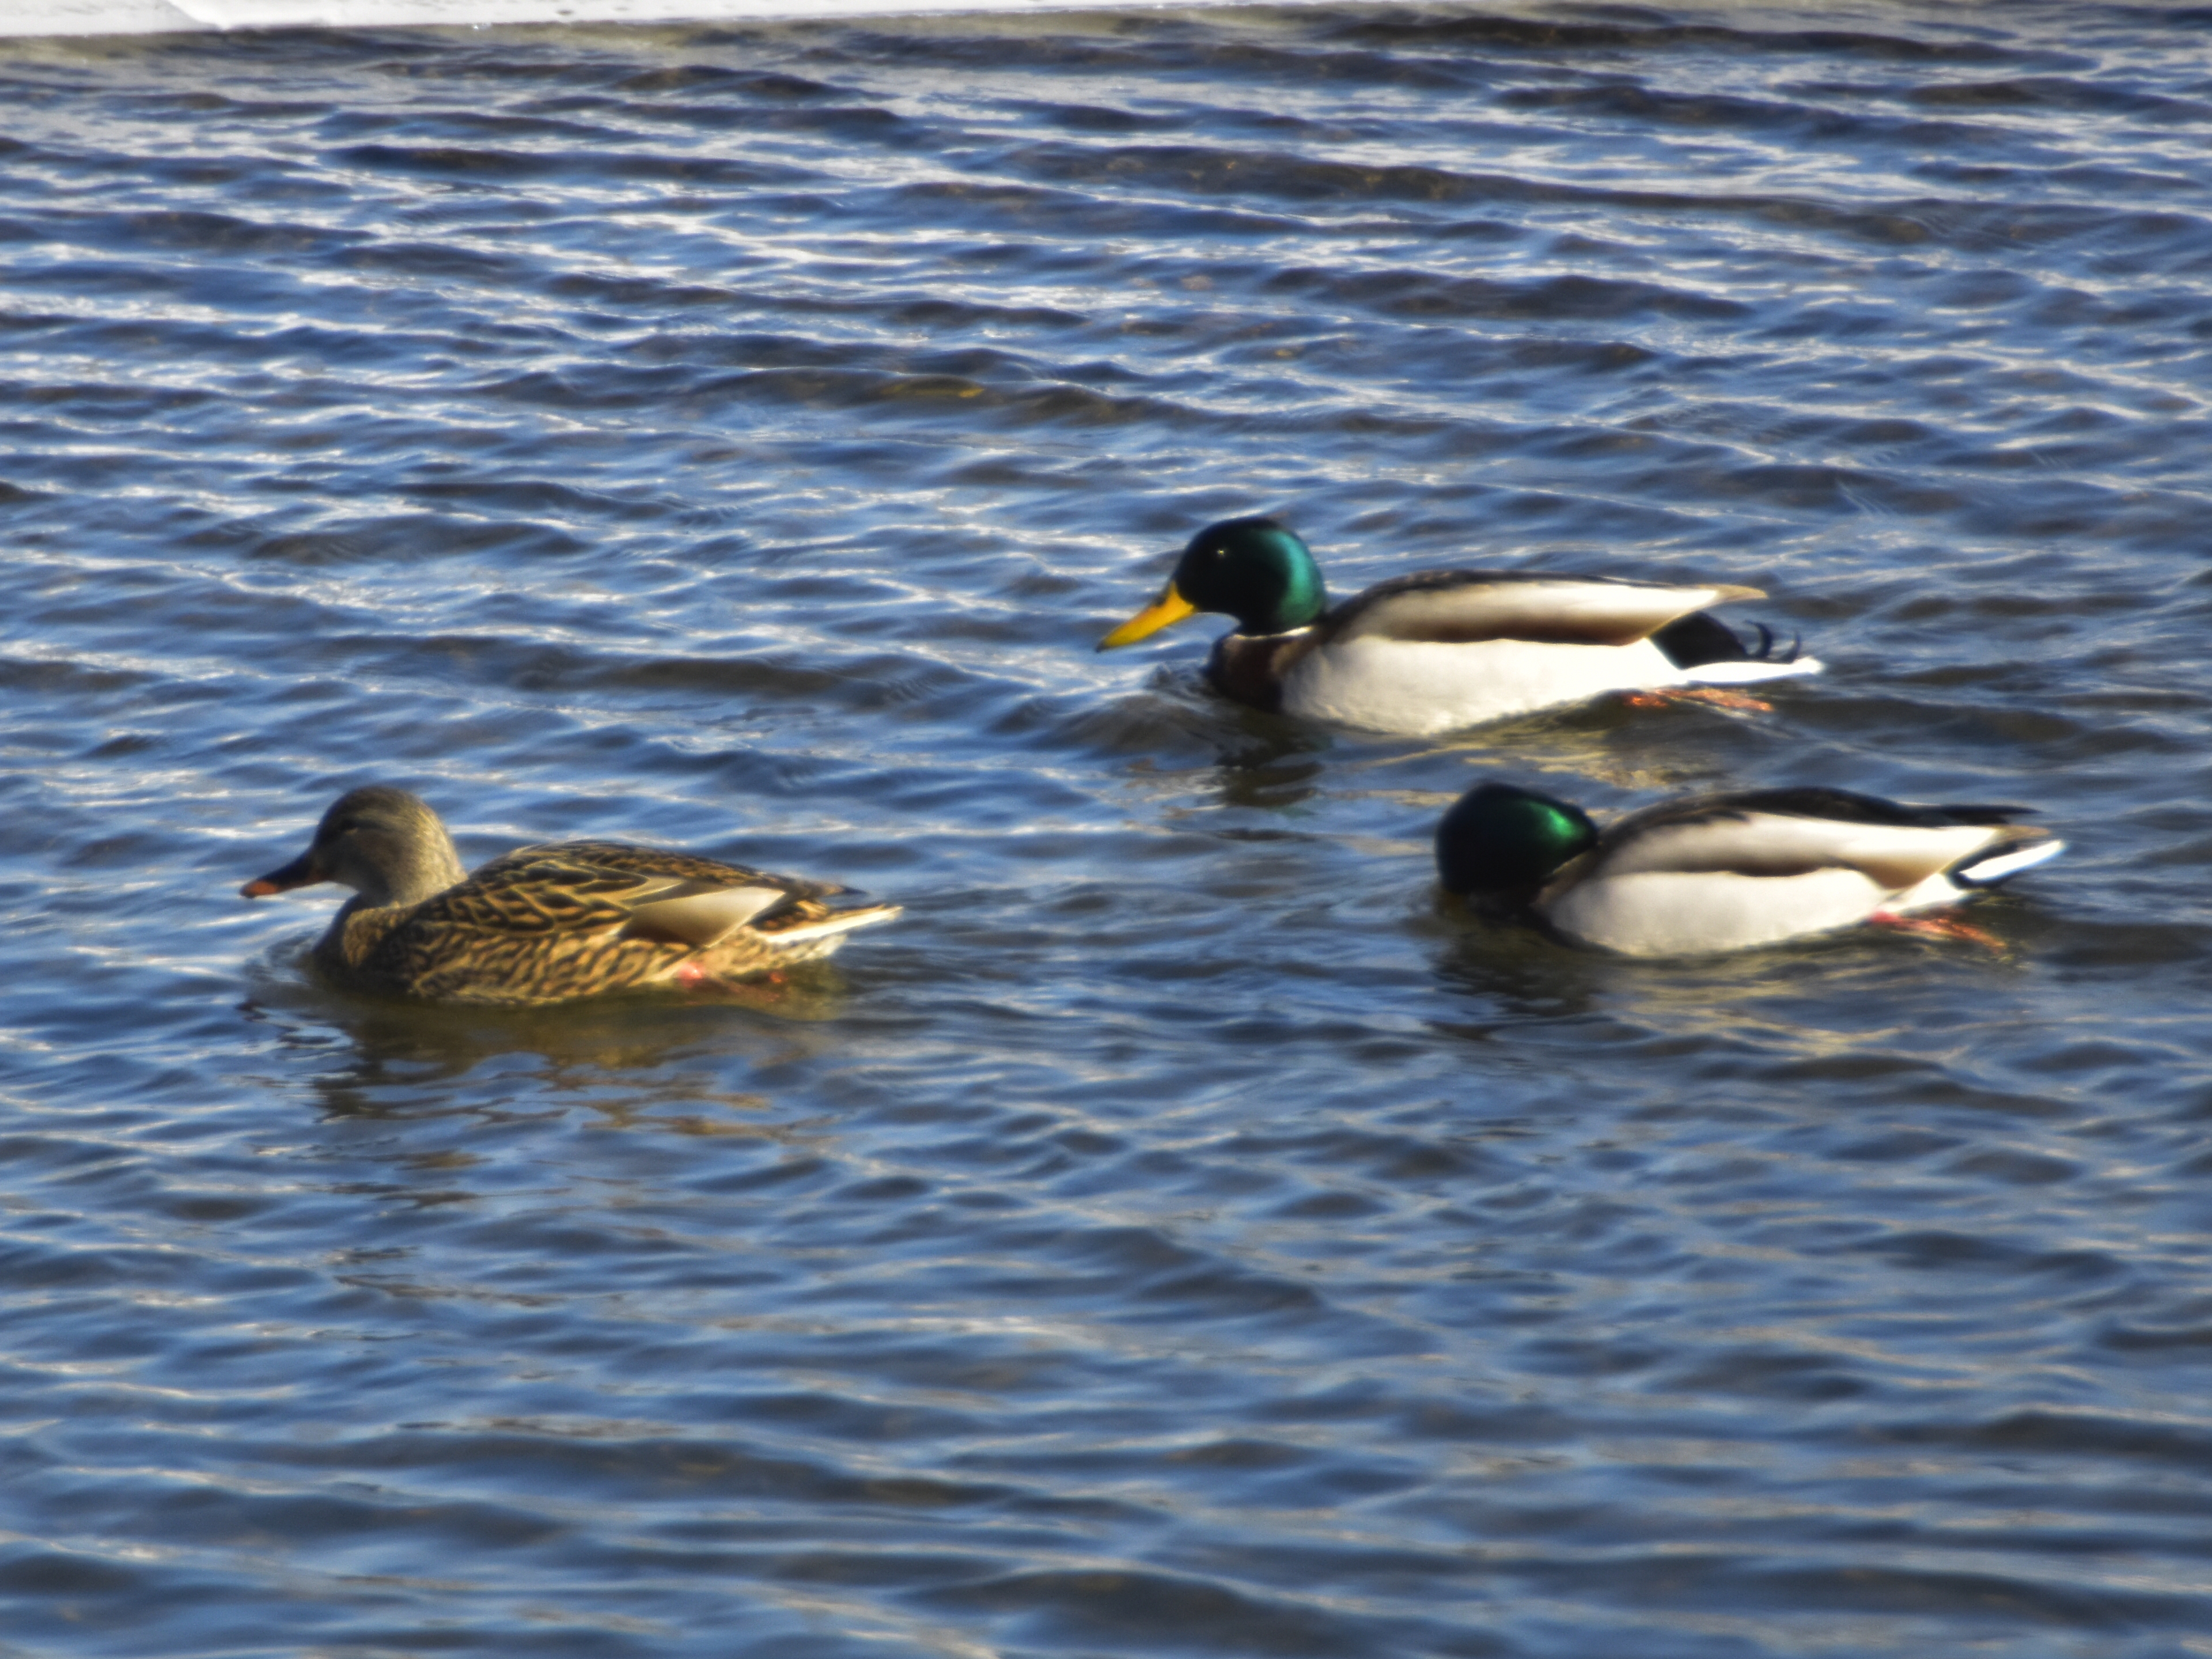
x: 545, y: 923
x: 1726, y: 872
x: 1441, y: 649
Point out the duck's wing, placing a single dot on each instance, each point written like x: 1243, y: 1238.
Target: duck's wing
x: 658, y: 864
x: 1791, y: 832
x: 582, y: 888
x: 1464, y: 607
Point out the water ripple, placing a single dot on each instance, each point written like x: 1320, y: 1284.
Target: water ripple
x: 1180, y: 1234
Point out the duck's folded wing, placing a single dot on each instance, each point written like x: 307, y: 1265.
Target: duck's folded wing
x: 582, y: 888
x: 607, y: 858
x: 1464, y: 607
x: 1790, y: 833
x: 701, y: 916
x: 1846, y: 806
x: 515, y: 896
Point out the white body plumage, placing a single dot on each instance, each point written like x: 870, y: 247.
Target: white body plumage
x: 1421, y: 688
x: 1733, y: 882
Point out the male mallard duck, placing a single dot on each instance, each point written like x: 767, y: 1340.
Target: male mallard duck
x: 544, y: 924
x: 1720, y: 872
x: 1440, y: 648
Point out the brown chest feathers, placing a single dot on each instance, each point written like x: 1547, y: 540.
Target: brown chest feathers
x: 1249, y: 668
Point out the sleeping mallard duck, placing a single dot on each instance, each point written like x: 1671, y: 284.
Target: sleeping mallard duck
x: 1721, y: 872
x: 544, y: 924
x: 1441, y: 649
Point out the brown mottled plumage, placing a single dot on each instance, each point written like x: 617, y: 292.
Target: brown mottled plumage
x: 545, y: 924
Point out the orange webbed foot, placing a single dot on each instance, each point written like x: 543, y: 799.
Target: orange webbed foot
x: 1937, y: 928
x: 1712, y: 696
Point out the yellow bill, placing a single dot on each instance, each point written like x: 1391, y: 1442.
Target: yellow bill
x: 1170, y: 607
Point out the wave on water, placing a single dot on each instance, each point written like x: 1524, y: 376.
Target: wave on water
x: 1181, y: 1233
x: 69, y: 17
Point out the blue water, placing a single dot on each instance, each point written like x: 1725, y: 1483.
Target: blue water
x: 1178, y: 1235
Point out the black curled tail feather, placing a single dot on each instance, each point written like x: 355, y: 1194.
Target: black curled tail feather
x: 1693, y: 641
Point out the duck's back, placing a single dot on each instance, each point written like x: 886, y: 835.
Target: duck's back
x: 1724, y: 872
x: 549, y: 923
x: 1442, y: 649
x: 1466, y: 607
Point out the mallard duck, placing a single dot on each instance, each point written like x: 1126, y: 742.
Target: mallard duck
x: 545, y: 924
x: 1721, y: 872
x: 1441, y: 649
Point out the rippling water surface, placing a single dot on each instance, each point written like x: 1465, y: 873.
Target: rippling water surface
x: 1177, y: 1235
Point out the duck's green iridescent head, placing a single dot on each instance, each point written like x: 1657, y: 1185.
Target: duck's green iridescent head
x: 1500, y: 840
x: 1254, y: 570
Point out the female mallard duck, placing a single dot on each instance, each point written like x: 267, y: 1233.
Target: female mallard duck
x: 544, y: 924
x: 1440, y: 648
x: 1722, y: 872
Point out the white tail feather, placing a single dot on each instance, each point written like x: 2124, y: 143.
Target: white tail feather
x: 1750, y: 673
x: 1983, y: 873
x: 842, y: 921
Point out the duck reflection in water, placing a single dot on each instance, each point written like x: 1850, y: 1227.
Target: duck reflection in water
x: 1270, y: 778
x: 674, y: 1063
